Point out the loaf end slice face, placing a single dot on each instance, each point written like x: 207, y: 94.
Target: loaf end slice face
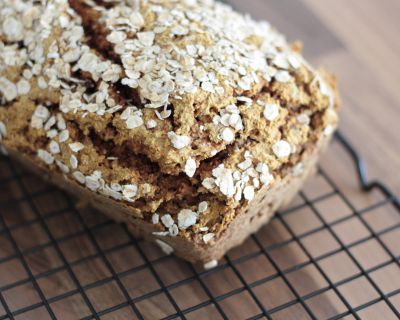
x: 184, y: 119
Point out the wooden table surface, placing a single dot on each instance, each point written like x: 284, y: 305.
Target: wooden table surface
x: 358, y: 40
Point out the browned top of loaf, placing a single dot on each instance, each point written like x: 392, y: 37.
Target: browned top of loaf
x: 162, y: 104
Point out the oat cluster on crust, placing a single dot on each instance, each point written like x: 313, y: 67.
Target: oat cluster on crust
x: 181, y: 109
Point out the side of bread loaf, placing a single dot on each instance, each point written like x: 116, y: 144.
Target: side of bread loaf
x: 181, y: 118
x: 248, y: 219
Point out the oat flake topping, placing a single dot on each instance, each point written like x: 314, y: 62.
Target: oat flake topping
x: 120, y: 95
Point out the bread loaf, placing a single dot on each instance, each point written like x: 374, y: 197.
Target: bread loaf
x: 184, y: 119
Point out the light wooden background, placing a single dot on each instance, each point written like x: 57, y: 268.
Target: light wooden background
x: 359, y: 40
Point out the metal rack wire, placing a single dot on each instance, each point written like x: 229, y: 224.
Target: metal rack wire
x: 60, y: 261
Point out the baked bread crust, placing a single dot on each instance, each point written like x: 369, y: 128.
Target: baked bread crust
x: 181, y: 118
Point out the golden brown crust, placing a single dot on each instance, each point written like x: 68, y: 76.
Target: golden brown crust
x: 180, y: 113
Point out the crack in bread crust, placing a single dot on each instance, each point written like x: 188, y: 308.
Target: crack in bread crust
x: 181, y: 114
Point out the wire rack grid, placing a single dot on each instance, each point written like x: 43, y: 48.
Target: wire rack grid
x: 324, y: 257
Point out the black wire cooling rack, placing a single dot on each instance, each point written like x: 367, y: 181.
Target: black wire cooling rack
x: 321, y: 258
